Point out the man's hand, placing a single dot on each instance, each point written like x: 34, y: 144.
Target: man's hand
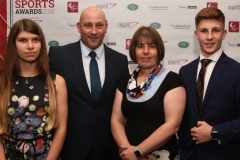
x: 201, y: 133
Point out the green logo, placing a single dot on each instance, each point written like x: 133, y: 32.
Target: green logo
x: 132, y: 7
x: 53, y: 43
x: 183, y: 44
x: 155, y: 25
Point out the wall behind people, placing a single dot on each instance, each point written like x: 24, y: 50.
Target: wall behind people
x: 173, y: 19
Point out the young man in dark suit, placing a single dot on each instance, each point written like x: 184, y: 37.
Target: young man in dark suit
x: 210, y: 129
x: 90, y: 99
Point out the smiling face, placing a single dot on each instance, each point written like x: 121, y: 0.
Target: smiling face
x: 210, y: 34
x: 92, y: 27
x: 146, y: 54
x: 28, y: 47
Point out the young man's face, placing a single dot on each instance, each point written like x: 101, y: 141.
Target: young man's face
x: 210, y: 33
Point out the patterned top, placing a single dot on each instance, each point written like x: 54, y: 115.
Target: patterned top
x: 145, y: 114
x: 28, y: 112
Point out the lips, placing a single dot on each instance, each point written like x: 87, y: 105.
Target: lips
x: 30, y: 53
x: 209, y: 45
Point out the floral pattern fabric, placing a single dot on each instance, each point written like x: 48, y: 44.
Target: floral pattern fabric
x: 28, y: 111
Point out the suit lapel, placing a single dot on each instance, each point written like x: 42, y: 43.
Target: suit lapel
x: 108, y: 69
x: 76, y: 57
x: 192, y: 78
x: 217, y: 71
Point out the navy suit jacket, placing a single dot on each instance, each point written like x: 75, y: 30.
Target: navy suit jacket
x: 220, y: 108
x: 88, y: 127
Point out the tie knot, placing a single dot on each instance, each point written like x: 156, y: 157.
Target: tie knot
x: 205, y: 62
x: 92, y: 54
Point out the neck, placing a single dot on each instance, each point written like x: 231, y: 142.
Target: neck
x: 145, y: 72
x: 29, y: 72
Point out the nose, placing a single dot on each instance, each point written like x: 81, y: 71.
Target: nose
x: 210, y: 35
x: 30, y: 44
x: 94, y: 30
x: 145, y: 49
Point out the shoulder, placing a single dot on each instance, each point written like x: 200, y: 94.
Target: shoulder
x: 64, y: 47
x: 172, y: 76
x: 113, y: 52
x: 59, y: 80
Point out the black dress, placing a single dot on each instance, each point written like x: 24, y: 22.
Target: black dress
x: 28, y: 112
x: 143, y: 117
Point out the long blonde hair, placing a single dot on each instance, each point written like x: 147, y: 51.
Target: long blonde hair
x: 11, y: 70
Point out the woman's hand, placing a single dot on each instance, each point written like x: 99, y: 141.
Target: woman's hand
x: 128, y: 152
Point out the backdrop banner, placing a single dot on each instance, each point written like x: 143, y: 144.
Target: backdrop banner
x: 173, y: 19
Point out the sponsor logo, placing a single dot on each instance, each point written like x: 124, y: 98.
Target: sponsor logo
x: 178, y: 26
x: 233, y: 26
x: 53, y: 43
x: 111, y: 43
x: 106, y: 5
x: 72, y: 7
x: 177, y: 62
x: 234, y: 45
x: 36, y: 19
x: 183, y: 44
x: 152, y: 7
x: 72, y: 25
x: 237, y: 7
x: 127, y: 24
x: 212, y: 4
x: 34, y: 7
x: 132, y: 7
x: 128, y: 42
x: 131, y: 62
x: 187, y: 7
x: 155, y: 25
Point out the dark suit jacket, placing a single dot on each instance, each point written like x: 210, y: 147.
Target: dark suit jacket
x: 88, y: 121
x: 221, y: 108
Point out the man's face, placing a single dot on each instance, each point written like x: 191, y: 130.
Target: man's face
x: 210, y: 34
x: 92, y: 27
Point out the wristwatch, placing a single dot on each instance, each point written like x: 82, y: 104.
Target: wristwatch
x: 137, y: 152
x: 214, y: 134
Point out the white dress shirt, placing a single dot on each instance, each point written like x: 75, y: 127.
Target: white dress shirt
x: 100, y: 58
x: 214, y: 57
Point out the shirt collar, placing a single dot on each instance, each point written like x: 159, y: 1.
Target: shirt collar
x: 85, y: 50
x: 214, y: 57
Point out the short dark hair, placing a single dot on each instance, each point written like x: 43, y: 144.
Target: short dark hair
x: 150, y: 34
x: 210, y: 13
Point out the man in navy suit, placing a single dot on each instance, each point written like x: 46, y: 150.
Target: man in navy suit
x: 89, y: 136
x: 211, y: 131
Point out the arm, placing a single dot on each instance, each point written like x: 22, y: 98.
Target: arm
x: 118, y: 121
x: 2, y: 153
x: 174, y: 105
x: 62, y: 111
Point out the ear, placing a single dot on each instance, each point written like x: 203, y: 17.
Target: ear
x: 79, y: 27
x: 195, y: 34
x: 224, y: 34
x: 106, y: 26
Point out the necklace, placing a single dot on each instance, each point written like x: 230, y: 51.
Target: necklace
x: 26, y: 80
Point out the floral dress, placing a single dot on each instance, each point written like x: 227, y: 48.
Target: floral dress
x: 28, y: 112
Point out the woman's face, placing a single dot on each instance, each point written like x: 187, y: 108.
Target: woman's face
x: 28, y: 47
x: 146, y: 54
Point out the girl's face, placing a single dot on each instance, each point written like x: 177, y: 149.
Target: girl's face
x: 28, y: 47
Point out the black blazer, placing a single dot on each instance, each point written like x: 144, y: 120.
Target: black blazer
x: 220, y: 108
x: 88, y: 121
